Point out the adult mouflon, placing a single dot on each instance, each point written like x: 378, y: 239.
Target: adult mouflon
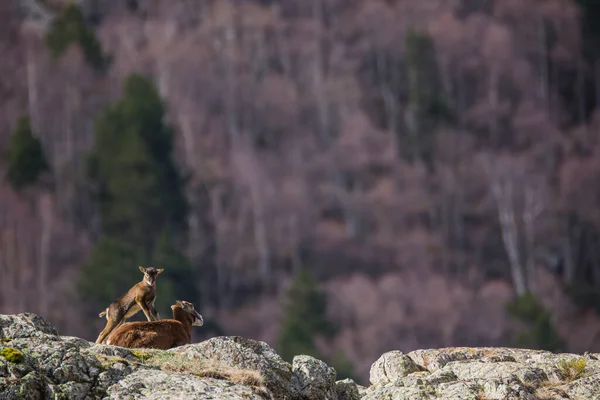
x: 140, y: 297
x: 163, y: 334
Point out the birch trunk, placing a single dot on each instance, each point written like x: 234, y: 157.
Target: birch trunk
x: 45, y: 212
x: 32, y: 89
x: 510, y: 236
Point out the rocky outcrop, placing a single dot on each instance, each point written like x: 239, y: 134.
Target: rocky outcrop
x: 37, y: 363
x: 484, y: 373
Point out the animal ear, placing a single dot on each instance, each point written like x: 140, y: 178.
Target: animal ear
x: 160, y: 271
x: 142, y: 269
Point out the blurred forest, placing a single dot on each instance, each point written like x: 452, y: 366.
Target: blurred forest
x: 334, y: 177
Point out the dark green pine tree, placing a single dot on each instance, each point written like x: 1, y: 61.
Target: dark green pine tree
x: 539, y: 334
x: 426, y: 107
x: 70, y: 28
x: 140, y: 195
x: 305, y: 310
x: 305, y: 318
x: 25, y: 156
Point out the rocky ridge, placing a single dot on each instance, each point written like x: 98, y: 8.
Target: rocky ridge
x: 37, y: 363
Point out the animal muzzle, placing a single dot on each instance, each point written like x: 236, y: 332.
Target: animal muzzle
x: 198, y: 321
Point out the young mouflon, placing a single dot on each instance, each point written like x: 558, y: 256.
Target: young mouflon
x: 140, y: 297
x: 163, y: 334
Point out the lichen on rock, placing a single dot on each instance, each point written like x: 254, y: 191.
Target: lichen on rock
x: 12, y: 355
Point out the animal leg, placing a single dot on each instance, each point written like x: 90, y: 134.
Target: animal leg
x: 110, y: 326
x: 149, y: 316
x: 153, y: 312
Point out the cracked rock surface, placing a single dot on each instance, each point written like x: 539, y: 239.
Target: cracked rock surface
x: 37, y: 363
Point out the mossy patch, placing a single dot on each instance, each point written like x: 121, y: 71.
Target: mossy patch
x: 12, y: 355
x: 141, y: 355
x: 107, y: 362
x: 5, y: 340
x: 572, y: 369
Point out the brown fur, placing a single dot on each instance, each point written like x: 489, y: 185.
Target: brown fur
x: 140, y: 297
x: 163, y: 334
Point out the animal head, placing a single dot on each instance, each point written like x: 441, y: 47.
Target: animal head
x: 150, y: 274
x: 189, y: 308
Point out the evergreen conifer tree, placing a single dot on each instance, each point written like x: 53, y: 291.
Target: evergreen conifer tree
x: 540, y: 333
x: 25, y: 156
x: 70, y: 28
x: 141, y: 199
x: 426, y: 106
x: 305, y: 318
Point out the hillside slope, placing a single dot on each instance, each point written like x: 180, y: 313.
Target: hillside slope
x: 428, y: 161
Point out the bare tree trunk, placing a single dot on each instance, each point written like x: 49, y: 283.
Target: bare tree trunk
x: 413, y: 127
x: 283, y: 51
x: 533, y: 208
x: 187, y: 134
x: 22, y: 264
x: 32, y: 90
x: 544, y: 83
x: 231, y: 104
x: 293, y: 231
x: 445, y: 228
x: 45, y: 207
x: 504, y: 197
x: 493, y: 98
x: 71, y: 103
x: 580, y: 91
x: 217, y: 216
x: 260, y: 235
x: 389, y: 102
x: 597, y: 81
x: 460, y: 144
x: 163, y: 82
x: 510, y: 236
x: 9, y: 270
x: 570, y: 265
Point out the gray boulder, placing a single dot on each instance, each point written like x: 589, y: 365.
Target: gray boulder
x: 25, y: 325
x: 391, y: 367
x: 246, y: 354
x: 312, y: 379
x: 347, y: 389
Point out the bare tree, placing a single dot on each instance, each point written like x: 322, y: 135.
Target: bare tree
x: 45, y: 213
x: 520, y: 197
